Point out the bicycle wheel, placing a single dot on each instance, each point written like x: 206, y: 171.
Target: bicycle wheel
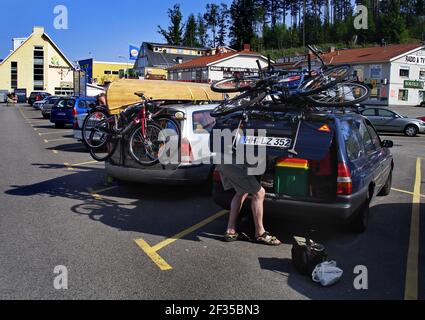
x: 239, y: 103
x: 145, y: 150
x: 341, y: 95
x: 326, y: 79
x: 96, y: 128
x: 235, y: 85
x: 104, y: 152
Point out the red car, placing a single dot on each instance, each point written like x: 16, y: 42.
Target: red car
x: 422, y: 118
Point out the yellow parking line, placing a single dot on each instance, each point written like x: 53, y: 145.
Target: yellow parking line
x: 94, y: 194
x: 411, y: 288
x: 155, y: 257
x: 105, y: 189
x: 152, y: 252
x: 55, y: 151
x: 188, y: 231
x: 70, y: 168
x: 406, y: 192
x: 84, y: 163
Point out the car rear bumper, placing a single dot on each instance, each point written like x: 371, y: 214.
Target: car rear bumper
x: 340, y: 210
x: 179, y: 176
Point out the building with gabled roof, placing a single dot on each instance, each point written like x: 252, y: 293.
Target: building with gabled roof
x: 210, y: 68
x: 37, y: 64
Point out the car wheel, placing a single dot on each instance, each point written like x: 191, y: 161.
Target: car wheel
x: 361, y: 218
x: 411, y: 131
x: 59, y: 125
x: 386, y: 190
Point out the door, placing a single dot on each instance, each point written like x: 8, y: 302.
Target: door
x: 371, y: 114
x: 390, y: 121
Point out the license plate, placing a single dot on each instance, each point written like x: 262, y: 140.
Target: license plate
x: 61, y: 114
x: 283, y: 143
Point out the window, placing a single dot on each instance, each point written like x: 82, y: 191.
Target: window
x: 403, y: 95
x: 421, y: 96
x: 366, y: 138
x: 171, y: 76
x: 179, y: 75
x: 376, y: 72
x: 203, y: 122
x: 61, y: 104
x: 404, y: 72
x: 351, y: 138
x: 193, y: 75
x: 70, y: 103
x: 63, y: 91
x: 82, y: 104
x: 375, y: 138
x: 14, y: 75
x: 385, y: 113
x: 107, y: 72
x: 38, y: 68
x: 369, y: 113
x: 115, y: 73
x: 422, y: 74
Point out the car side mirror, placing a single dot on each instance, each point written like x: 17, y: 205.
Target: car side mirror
x: 387, y: 144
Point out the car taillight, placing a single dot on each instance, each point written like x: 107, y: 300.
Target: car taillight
x: 37, y: 98
x: 344, y: 182
x: 186, y: 152
x: 216, y: 176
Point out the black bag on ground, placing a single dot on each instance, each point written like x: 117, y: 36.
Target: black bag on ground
x: 307, y: 254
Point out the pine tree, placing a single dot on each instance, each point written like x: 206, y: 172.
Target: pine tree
x: 190, y: 38
x: 174, y: 33
x: 211, y: 17
x: 201, y: 34
x: 222, y: 24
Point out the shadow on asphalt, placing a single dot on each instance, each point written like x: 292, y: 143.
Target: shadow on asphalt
x: 77, y: 147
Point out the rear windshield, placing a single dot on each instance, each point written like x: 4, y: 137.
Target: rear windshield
x: 203, y: 122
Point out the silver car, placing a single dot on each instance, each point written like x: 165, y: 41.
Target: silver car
x: 195, y: 126
x: 387, y: 120
x: 46, y: 108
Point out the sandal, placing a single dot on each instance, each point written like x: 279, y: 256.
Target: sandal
x: 229, y: 237
x: 268, y: 239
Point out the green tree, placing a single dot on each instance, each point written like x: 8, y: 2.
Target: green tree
x: 392, y: 23
x: 222, y: 24
x: 190, y: 38
x: 173, y: 35
x: 242, y: 14
x: 201, y: 34
x: 211, y: 17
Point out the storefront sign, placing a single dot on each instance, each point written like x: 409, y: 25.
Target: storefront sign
x: 230, y: 69
x: 412, y: 84
x: 415, y: 60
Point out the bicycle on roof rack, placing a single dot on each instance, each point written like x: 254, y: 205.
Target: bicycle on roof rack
x: 333, y: 87
x: 142, y: 124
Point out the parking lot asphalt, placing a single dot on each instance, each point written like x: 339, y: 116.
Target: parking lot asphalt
x: 137, y: 241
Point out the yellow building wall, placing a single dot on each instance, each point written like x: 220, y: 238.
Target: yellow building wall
x: 100, y: 68
x: 24, y: 56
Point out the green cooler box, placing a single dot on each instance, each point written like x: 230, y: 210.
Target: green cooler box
x: 291, y: 177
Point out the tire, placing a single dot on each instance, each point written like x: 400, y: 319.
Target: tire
x: 232, y: 85
x: 361, y: 218
x: 411, y: 131
x: 239, y: 103
x: 326, y: 80
x: 147, y: 152
x: 105, y: 152
x: 97, y: 115
x: 343, y: 94
x: 386, y: 190
x: 59, y: 125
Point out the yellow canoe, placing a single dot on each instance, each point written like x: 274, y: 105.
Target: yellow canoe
x: 122, y: 92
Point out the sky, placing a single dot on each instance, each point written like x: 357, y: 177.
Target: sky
x: 101, y: 28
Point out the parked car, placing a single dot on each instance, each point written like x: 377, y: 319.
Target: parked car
x: 421, y: 118
x: 47, y: 107
x: 387, y: 120
x: 195, y: 126
x: 342, y: 165
x: 37, y: 96
x: 39, y: 104
x: 66, y: 109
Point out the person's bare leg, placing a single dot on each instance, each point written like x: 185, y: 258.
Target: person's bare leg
x: 235, y: 209
x: 258, y: 211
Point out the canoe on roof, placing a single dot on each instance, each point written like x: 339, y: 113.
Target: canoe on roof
x: 123, y: 92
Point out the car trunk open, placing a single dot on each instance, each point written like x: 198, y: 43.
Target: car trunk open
x: 311, y: 173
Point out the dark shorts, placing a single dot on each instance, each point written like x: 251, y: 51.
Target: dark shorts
x: 236, y: 177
